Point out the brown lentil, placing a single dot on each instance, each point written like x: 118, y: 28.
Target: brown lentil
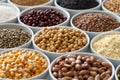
x: 21, y: 63
x: 29, y: 2
x: 10, y: 38
x: 43, y: 17
x: 79, y: 72
x: 113, y: 5
x: 60, y: 39
x: 95, y: 22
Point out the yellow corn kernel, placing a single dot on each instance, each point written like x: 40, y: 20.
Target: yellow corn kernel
x: 38, y: 62
x: 1, y: 61
x: 31, y: 57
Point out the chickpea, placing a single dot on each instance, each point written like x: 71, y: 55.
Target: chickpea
x: 63, y: 39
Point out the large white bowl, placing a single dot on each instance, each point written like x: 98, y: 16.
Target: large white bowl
x: 41, y: 75
x: 82, y: 54
x: 115, y: 62
x: 72, y: 11
x: 21, y: 7
x: 14, y: 19
x: 92, y: 34
x: 116, y: 72
x: 53, y: 55
x: 105, y: 9
x: 35, y: 29
x: 17, y: 26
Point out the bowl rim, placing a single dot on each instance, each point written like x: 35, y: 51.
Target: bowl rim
x: 64, y: 12
x: 116, y: 71
x: 105, y: 9
x: 45, y: 56
x: 83, y: 53
x: 46, y: 3
x: 18, y: 26
x: 58, y: 53
x: 16, y: 8
x: 99, y: 4
x: 95, y: 11
x: 97, y: 37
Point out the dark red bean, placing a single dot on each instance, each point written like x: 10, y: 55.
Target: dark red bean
x: 43, y: 18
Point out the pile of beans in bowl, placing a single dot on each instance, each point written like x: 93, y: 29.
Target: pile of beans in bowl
x: 81, y: 67
x: 78, y: 4
x: 42, y: 17
x: 56, y: 39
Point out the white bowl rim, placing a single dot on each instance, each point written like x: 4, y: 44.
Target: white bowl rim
x: 19, y: 26
x: 96, y: 11
x: 116, y: 71
x: 3, y: 52
x: 17, y: 9
x: 97, y: 37
x: 99, y: 4
x: 42, y: 7
x: 104, y: 8
x: 50, y: 1
x: 84, y: 53
x: 58, y: 53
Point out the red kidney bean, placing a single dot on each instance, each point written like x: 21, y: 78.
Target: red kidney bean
x: 42, y: 18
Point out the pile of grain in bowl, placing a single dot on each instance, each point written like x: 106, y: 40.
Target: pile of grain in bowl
x: 108, y: 45
x: 10, y: 38
x: 60, y: 39
x: 29, y: 2
x: 113, y: 5
x: 95, y: 22
x: 81, y: 67
x: 7, y: 12
x: 22, y: 63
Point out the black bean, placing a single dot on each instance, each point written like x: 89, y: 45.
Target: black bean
x: 78, y: 4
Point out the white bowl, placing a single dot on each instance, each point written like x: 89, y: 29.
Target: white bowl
x: 14, y: 19
x: 92, y: 34
x: 115, y: 62
x: 107, y: 10
x: 53, y: 55
x: 21, y: 7
x: 82, y: 54
x: 35, y: 29
x: 17, y: 26
x: 116, y: 72
x: 41, y: 75
x: 72, y: 11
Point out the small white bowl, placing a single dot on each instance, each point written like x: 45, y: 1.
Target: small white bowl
x: 35, y: 29
x: 116, y: 72
x: 14, y: 19
x: 115, y: 62
x: 83, y: 54
x: 21, y: 7
x: 17, y: 26
x: 72, y: 11
x: 53, y: 55
x: 41, y: 75
x: 105, y: 9
x: 92, y: 34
